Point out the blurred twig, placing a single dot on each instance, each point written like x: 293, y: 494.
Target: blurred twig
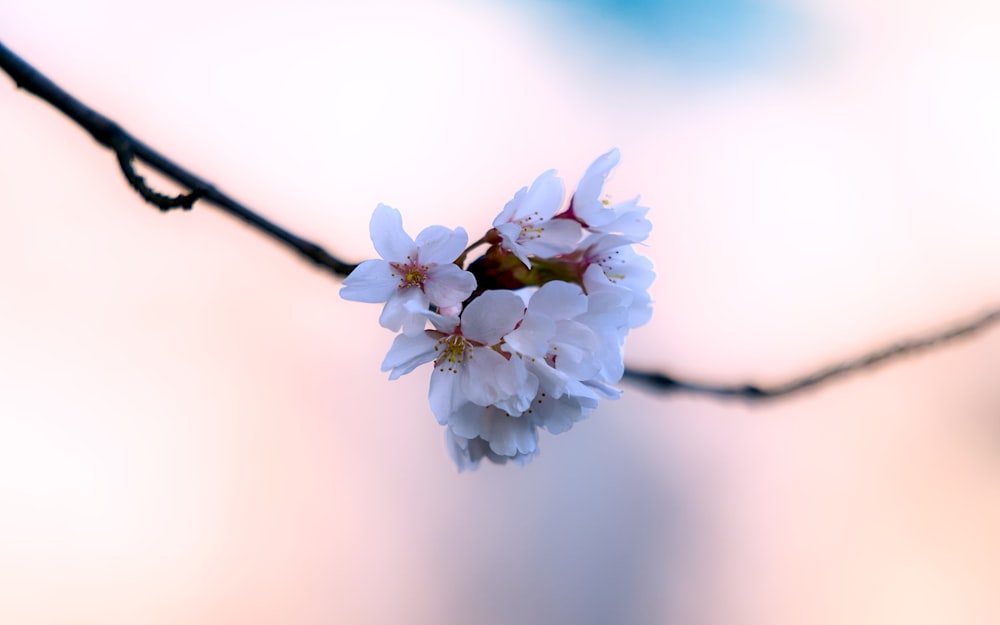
x: 127, y: 149
x: 670, y: 384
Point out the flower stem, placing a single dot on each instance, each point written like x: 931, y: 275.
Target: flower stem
x: 491, y: 237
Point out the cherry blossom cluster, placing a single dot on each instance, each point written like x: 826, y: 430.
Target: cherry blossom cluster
x: 530, y: 334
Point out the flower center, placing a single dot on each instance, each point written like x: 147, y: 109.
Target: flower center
x: 530, y: 231
x: 453, y: 351
x: 411, y: 273
x: 612, y: 264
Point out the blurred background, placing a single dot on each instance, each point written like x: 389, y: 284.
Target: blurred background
x: 194, y: 428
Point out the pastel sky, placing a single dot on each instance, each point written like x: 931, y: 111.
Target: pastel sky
x: 193, y: 425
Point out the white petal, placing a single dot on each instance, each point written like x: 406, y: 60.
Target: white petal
x: 557, y: 415
x: 543, y: 199
x: 469, y: 453
x: 558, y: 300
x: 391, y: 241
x: 640, y: 313
x: 509, y: 234
x: 531, y: 338
x: 409, y: 352
x: 599, y: 170
x: 445, y: 324
x: 509, y: 436
x: 466, y: 420
x: 599, y: 244
x: 607, y: 302
x: 638, y: 272
x: 492, y: 315
x: 441, y: 245
x: 629, y: 220
x: 612, y: 368
x: 404, y: 308
x: 574, y: 348
x: 517, y: 387
x: 510, y: 208
x: 605, y: 389
x: 447, y: 285
x: 595, y: 281
x: 550, y: 381
x: 444, y: 394
x: 523, y: 459
x: 415, y: 319
x: 628, y: 275
x: 584, y: 394
x: 372, y: 281
x: 483, y: 376
x: 586, y: 201
x: 557, y: 236
x: 459, y: 450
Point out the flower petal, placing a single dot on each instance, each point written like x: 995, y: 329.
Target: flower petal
x: 574, y: 347
x: 466, y: 420
x: 485, y: 377
x: 509, y: 436
x: 629, y: 220
x: 405, y: 309
x: 531, y: 338
x: 390, y: 240
x: 556, y: 236
x: 510, y: 208
x: 409, y: 352
x: 441, y: 245
x: 557, y: 415
x: 558, y: 300
x: 447, y: 285
x: 587, y: 198
x: 372, y: 281
x: 509, y: 234
x: 443, y: 394
x: 517, y: 386
x: 492, y: 315
x: 543, y: 199
x: 461, y: 452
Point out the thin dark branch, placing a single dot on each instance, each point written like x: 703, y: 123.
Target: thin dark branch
x: 127, y: 148
x: 670, y: 384
x: 137, y: 182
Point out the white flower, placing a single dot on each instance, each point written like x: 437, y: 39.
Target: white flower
x: 607, y: 315
x: 625, y: 218
x: 558, y: 414
x: 562, y: 351
x: 468, y: 367
x: 526, y: 223
x: 411, y: 275
x: 613, y: 264
x: 510, y: 362
x: 506, y: 434
x: 554, y: 345
x: 468, y: 453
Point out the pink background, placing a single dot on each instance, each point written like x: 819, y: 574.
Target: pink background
x: 193, y: 425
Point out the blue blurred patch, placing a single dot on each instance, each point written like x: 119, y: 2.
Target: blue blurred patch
x: 690, y: 34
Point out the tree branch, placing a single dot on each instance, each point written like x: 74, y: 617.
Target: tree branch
x: 669, y: 384
x: 127, y: 149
